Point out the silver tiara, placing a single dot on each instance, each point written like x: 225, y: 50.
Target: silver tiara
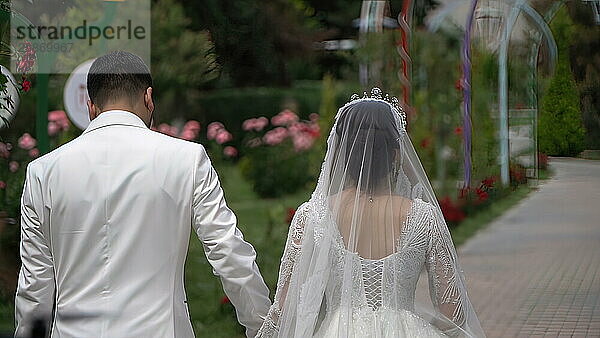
x: 377, y: 95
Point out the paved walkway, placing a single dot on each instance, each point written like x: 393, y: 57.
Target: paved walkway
x: 536, y: 270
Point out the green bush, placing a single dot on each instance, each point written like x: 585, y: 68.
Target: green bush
x: 277, y: 171
x: 561, y: 130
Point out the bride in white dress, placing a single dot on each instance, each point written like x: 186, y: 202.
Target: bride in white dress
x: 356, y: 249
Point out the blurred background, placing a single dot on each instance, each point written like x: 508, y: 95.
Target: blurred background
x: 491, y: 89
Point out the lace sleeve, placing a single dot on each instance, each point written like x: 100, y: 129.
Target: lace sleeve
x: 293, y: 244
x: 446, y: 287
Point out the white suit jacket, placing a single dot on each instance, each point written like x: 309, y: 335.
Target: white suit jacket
x: 106, y: 223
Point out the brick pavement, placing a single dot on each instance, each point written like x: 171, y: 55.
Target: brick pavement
x: 536, y: 270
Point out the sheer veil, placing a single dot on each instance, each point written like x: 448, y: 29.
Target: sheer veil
x: 371, y: 193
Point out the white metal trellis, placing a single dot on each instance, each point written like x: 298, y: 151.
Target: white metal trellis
x: 595, y: 4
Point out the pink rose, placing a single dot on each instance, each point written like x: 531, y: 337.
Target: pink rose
x: 53, y: 128
x: 59, y: 117
x: 261, y: 123
x: 275, y: 136
x: 2, y: 185
x: 188, y: 134
x: 165, y: 129
x: 284, y: 118
x: 257, y: 124
x: 230, y: 151
x: 213, y: 129
x: 27, y: 142
x: 35, y: 152
x: 174, y: 131
x: 302, y: 142
x: 223, y: 136
x: 192, y: 125
x: 248, y: 124
x: 13, y: 166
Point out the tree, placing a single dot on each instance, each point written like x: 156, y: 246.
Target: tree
x: 585, y: 62
x: 256, y: 39
x: 183, y: 60
x: 561, y: 130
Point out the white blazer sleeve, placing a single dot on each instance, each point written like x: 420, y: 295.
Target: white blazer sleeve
x: 232, y: 258
x: 35, y: 290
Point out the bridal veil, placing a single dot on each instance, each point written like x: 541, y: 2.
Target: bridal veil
x: 371, y: 189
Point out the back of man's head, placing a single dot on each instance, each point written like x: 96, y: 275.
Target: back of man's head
x: 118, y: 77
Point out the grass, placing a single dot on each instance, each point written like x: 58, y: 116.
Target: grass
x: 483, y: 217
x: 263, y: 222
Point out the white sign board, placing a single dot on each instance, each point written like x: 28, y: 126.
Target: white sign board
x: 75, y: 95
x: 9, y: 98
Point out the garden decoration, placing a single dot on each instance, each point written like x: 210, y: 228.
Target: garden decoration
x: 517, y: 7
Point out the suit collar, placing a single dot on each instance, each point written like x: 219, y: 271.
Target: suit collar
x: 115, y: 117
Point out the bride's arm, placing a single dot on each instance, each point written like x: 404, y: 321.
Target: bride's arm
x: 291, y: 252
x: 446, y: 284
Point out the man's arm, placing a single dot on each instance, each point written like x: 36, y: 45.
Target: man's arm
x: 232, y: 258
x: 35, y: 291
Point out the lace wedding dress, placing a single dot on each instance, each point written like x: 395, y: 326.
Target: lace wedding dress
x: 356, y: 249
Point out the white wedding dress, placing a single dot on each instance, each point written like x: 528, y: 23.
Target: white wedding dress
x: 384, y: 310
x: 356, y: 249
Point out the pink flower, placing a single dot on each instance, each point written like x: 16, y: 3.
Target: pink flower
x: 275, y: 136
x: 192, y: 125
x: 53, y: 128
x: 13, y: 166
x: 223, y: 136
x: 27, y: 142
x: 59, y: 117
x: 213, y: 129
x: 188, y: 134
x: 303, y: 134
x: 165, y: 129
x: 2, y: 185
x: 27, y: 60
x: 35, y: 152
x: 257, y: 124
x: 302, y: 142
x: 284, y: 118
x: 174, y: 131
x: 230, y: 151
x: 314, y: 117
x: 4, y: 151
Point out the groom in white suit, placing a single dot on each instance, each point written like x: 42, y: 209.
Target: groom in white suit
x: 106, y: 221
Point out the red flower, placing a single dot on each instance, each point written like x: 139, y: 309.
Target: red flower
x: 451, y: 212
x: 458, y: 84
x: 26, y: 85
x: 225, y: 300
x: 483, y: 196
x: 425, y: 142
x: 488, y: 182
x: 458, y: 131
x: 290, y: 215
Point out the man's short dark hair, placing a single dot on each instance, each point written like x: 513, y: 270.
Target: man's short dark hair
x: 117, y: 75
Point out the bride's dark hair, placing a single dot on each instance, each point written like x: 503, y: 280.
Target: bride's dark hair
x: 368, y: 137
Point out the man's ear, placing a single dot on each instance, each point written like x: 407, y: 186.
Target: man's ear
x: 148, y: 102
x: 92, y: 110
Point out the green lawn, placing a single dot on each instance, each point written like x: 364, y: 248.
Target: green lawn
x: 257, y: 217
